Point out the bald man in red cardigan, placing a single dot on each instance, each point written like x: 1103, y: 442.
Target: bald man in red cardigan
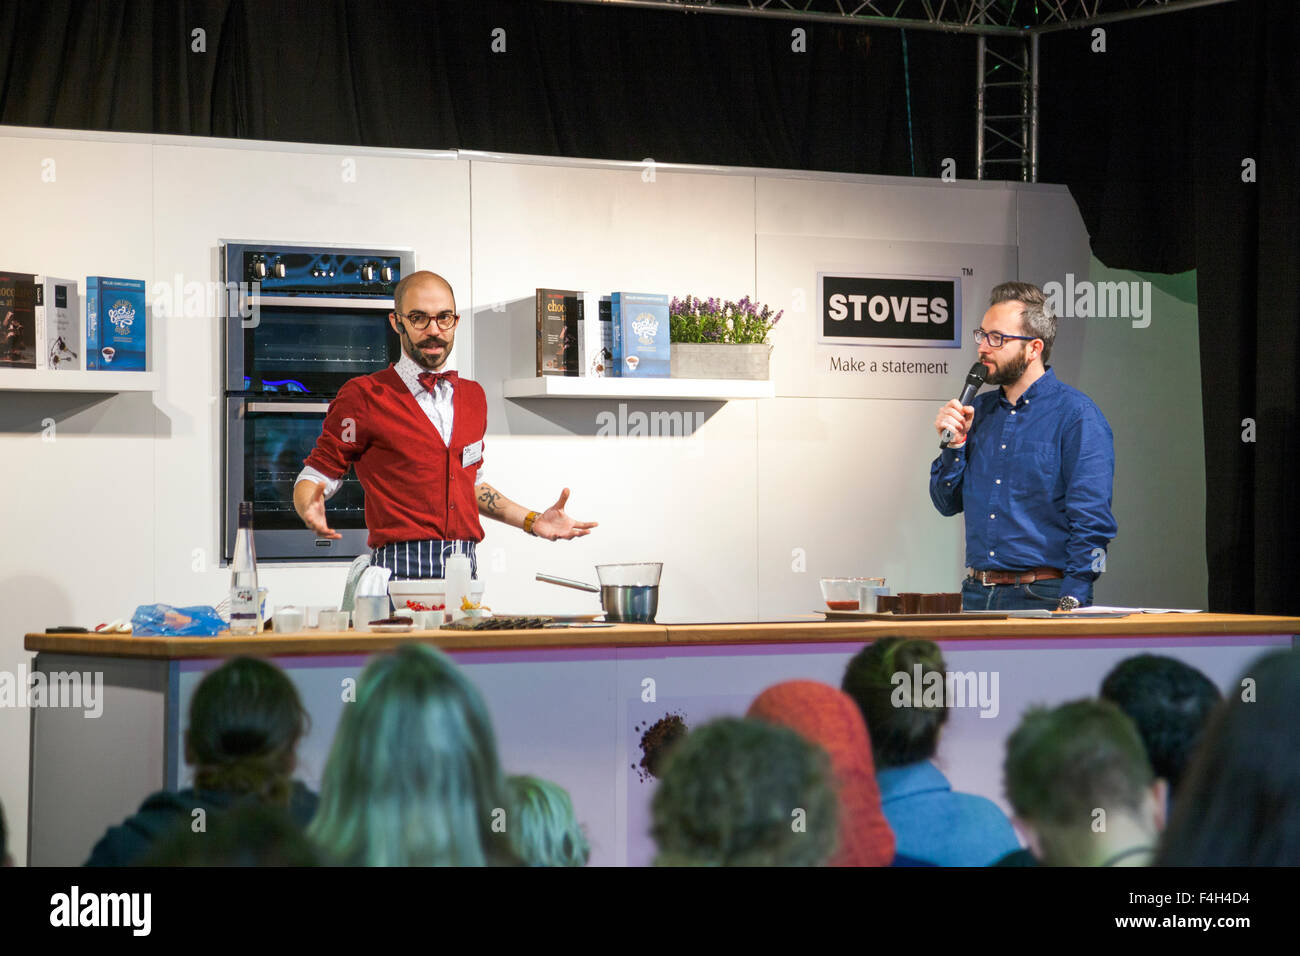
x: 414, y: 434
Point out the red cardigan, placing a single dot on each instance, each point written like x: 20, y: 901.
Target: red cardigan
x: 416, y: 487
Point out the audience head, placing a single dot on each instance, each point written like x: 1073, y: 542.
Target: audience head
x: 1081, y: 786
x: 1239, y: 804
x: 543, y: 828
x: 828, y: 718
x: 247, y: 835
x: 903, y: 731
x: 745, y: 793
x: 245, y: 723
x: 413, y: 777
x: 1169, y: 701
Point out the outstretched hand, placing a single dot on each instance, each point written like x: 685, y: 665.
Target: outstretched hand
x: 554, y: 525
x: 313, y: 512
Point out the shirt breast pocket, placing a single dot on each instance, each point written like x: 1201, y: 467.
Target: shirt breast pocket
x: 1038, y: 465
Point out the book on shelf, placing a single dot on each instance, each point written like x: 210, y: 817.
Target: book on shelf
x: 18, y: 345
x: 116, y: 324
x: 58, y: 324
x: 558, y: 311
x: 642, y: 344
x: 595, y: 336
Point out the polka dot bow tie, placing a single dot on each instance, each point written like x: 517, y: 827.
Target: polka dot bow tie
x: 430, y: 379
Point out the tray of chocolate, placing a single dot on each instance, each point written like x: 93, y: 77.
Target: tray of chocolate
x: 499, y: 622
x: 914, y: 606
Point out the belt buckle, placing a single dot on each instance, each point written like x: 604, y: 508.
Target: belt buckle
x: 984, y: 580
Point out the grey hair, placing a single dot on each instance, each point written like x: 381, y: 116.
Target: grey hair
x: 1036, y: 319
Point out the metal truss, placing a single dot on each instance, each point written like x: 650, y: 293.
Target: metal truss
x: 985, y: 17
x: 1006, y: 31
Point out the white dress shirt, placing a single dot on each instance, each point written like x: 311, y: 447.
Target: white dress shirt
x: 437, y: 405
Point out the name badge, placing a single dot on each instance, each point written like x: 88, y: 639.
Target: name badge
x: 472, y: 454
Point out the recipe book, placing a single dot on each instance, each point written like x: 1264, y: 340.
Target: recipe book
x: 115, y: 324
x: 58, y: 324
x: 558, y: 311
x: 642, y: 347
x: 17, y: 320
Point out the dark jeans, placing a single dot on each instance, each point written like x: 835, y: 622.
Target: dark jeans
x: 1044, y: 594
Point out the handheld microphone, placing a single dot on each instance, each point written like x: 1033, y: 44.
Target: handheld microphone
x: 978, y: 372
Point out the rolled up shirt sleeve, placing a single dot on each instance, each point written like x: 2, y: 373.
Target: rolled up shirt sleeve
x: 946, y: 476
x: 332, y: 485
x: 1088, y: 469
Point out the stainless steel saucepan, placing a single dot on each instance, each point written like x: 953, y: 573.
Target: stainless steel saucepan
x: 629, y: 593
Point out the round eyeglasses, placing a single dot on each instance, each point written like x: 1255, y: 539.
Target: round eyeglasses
x: 420, y: 320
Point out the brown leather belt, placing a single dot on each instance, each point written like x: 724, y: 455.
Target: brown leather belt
x: 989, y: 578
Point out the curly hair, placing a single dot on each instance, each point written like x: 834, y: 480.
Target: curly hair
x: 745, y: 793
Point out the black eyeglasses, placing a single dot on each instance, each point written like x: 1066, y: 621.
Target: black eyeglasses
x: 998, y: 339
x: 420, y: 320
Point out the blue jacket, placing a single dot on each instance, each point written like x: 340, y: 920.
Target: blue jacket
x: 932, y: 823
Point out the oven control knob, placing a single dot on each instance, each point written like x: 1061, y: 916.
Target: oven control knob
x: 387, y: 273
x: 279, y: 269
x: 368, y: 272
x: 259, y: 269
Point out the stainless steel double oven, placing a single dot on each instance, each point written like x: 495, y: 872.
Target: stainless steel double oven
x: 301, y: 321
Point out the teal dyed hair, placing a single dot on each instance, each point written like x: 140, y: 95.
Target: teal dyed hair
x: 542, y: 826
x: 413, y: 777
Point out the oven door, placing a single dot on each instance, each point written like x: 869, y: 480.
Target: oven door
x: 266, y: 442
x: 307, y: 346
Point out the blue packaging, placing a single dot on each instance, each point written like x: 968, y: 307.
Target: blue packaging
x: 116, y: 327
x: 642, y: 346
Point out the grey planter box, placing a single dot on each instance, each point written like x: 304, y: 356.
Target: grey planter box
x: 711, y: 360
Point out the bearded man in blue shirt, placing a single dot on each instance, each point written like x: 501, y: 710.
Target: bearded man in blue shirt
x: 1031, y: 465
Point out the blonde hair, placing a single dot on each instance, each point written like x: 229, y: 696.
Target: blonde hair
x: 413, y: 777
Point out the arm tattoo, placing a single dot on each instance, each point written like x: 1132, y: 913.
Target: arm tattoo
x: 488, y: 499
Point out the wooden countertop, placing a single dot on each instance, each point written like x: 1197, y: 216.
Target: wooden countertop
x: 641, y: 635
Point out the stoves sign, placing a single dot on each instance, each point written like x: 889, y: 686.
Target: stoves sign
x: 861, y: 309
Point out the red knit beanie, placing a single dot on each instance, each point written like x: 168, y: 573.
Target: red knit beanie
x: 829, y: 718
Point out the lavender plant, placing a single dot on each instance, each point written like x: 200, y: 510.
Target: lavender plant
x: 692, y: 319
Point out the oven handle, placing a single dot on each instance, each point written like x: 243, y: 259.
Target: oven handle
x: 288, y: 408
x: 320, y: 302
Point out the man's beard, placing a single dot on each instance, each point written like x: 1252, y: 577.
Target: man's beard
x: 1009, y: 373
x: 419, y: 358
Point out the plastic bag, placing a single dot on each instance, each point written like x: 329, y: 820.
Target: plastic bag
x: 163, y: 620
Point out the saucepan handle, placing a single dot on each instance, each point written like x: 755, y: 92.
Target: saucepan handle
x: 566, y: 583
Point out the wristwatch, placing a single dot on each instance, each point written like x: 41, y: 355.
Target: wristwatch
x: 1068, y: 603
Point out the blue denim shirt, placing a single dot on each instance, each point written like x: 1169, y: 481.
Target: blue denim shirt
x: 932, y: 823
x: 1034, y: 480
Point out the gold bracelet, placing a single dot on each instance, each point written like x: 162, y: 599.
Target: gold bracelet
x: 528, y: 522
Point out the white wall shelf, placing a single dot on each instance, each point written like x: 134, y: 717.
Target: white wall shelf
x: 681, y: 389
x: 49, y: 380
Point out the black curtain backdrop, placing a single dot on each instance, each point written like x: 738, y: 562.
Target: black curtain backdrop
x: 1149, y: 136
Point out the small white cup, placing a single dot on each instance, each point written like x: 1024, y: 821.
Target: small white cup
x: 329, y: 620
x: 369, y: 609
x: 288, y: 619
